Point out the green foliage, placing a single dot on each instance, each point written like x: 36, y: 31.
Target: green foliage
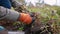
x: 21, y: 28
x: 46, y: 12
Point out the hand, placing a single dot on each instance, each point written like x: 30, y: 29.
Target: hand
x: 25, y: 18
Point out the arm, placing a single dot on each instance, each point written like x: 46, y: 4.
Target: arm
x: 15, y: 3
x: 14, y: 15
x: 8, y: 14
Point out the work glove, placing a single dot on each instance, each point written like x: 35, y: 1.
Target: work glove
x: 25, y: 18
x: 27, y: 27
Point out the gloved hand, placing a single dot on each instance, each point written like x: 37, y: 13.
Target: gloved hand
x: 25, y: 18
x: 27, y: 27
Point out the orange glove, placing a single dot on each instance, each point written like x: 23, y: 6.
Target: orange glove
x: 25, y: 18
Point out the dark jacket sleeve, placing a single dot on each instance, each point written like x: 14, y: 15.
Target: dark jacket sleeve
x: 8, y: 14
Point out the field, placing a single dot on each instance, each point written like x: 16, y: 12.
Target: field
x: 47, y: 13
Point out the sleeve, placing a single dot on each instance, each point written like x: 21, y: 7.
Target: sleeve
x: 8, y: 14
